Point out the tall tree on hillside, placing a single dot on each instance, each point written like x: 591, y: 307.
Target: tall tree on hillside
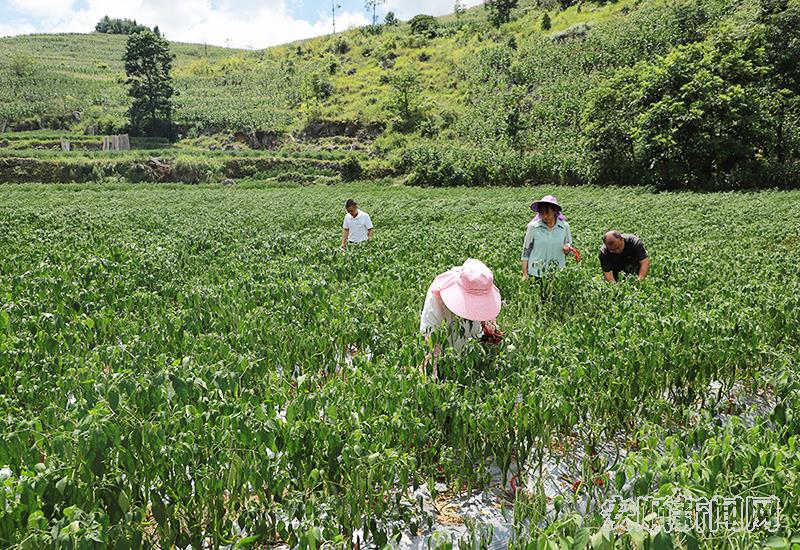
x: 459, y: 8
x: 148, y: 61
x: 372, y: 5
x: 334, y: 6
x: 404, y: 100
x: 500, y: 10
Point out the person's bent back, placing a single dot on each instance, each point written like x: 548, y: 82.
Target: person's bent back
x: 623, y: 253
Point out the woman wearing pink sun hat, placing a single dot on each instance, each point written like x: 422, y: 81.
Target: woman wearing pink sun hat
x: 466, y: 302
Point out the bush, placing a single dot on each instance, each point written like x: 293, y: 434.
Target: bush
x: 424, y: 25
x: 447, y: 164
x: 351, y: 169
x: 187, y: 169
x: 688, y: 120
x: 111, y: 124
x: 318, y: 86
x: 340, y: 46
x: 575, y: 32
x: 404, y: 101
x: 500, y: 11
x: 119, y: 26
x: 371, y: 30
x: 22, y: 64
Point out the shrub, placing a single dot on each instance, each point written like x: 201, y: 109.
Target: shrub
x: 371, y: 30
x: 500, y: 10
x: 340, y: 46
x: 576, y: 31
x: 447, y: 164
x: 424, y: 25
x: 188, y: 169
x: 111, y: 124
x: 22, y: 64
x: 351, y: 168
x: 687, y: 120
x: 120, y: 26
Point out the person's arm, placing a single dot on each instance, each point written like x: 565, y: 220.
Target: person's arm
x: 345, y: 234
x: 606, y: 266
x: 370, y: 232
x: 433, y: 314
x: 527, y: 246
x: 432, y: 317
x: 370, y: 228
x: 567, y: 240
x: 643, y: 259
x: 643, y: 269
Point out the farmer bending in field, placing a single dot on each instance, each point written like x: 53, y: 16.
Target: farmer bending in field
x: 465, y: 301
x: 357, y: 226
x: 623, y: 252
x: 547, y: 240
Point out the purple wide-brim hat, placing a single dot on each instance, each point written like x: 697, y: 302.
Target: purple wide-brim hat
x: 547, y: 199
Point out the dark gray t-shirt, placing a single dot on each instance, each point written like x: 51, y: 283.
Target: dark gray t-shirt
x: 628, y: 260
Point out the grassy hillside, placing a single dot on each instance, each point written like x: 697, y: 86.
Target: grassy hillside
x: 50, y: 77
x: 672, y: 94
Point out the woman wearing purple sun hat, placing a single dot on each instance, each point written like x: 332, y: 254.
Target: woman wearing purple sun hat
x: 547, y: 240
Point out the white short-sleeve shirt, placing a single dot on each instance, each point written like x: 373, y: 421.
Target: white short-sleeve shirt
x: 435, y: 314
x: 359, y: 226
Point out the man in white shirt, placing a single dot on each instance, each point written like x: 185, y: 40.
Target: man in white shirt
x: 357, y: 226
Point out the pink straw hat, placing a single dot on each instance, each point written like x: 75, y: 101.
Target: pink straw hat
x: 469, y: 291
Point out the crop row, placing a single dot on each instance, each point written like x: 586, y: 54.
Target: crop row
x: 173, y: 362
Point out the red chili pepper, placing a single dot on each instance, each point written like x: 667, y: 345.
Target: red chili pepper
x: 514, y: 487
x: 575, y: 252
x: 491, y: 334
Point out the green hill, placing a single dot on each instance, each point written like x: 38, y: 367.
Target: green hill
x: 343, y: 77
x: 461, y: 102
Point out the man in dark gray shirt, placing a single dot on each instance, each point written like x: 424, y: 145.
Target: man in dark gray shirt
x: 623, y: 252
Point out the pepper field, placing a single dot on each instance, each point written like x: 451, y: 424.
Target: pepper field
x: 173, y: 367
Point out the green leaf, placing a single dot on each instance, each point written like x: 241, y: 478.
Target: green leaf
x: 247, y: 541
x: 638, y: 536
x: 691, y: 542
x: 37, y: 520
x: 776, y: 541
x: 601, y: 540
x: 619, y: 479
x: 582, y: 536
x: 662, y: 541
x: 62, y: 485
x: 124, y: 501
